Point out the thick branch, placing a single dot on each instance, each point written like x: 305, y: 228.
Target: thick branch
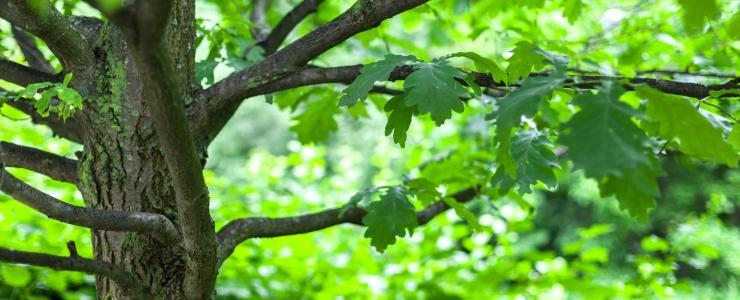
x: 278, y: 35
x: 52, y: 165
x: 98, y: 219
x: 31, y: 51
x: 47, y: 23
x: 127, y: 281
x: 217, y: 104
x: 165, y: 99
x: 241, y: 230
x: 68, y: 129
x: 22, y: 75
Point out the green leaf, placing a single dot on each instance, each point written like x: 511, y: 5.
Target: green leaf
x: 43, y: 104
x: 70, y: 97
x: 291, y: 99
x: 483, y: 64
x: 15, y: 276
x: 424, y: 190
x: 525, y: 100
x: 734, y: 137
x: 32, y: 89
x: 70, y: 101
x: 572, y: 10
x: 720, y: 93
x: 594, y: 231
x: 315, y: 123
x: 733, y: 27
x: 67, y: 79
x: 388, y: 218
x: 696, y: 13
x: 522, y: 61
x: 678, y: 119
x: 470, y: 82
x: 655, y: 244
x: 603, y: 139
x: 358, y: 111
x: 399, y: 119
x: 502, y: 182
x: 464, y: 213
x: 503, y: 153
x: 434, y: 88
x: 595, y: 254
x: 369, y: 74
x: 558, y: 61
x: 532, y: 3
x: 204, y: 71
x: 532, y: 152
x: 636, y: 189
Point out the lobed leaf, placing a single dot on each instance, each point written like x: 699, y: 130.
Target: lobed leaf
x: 369, y: 74
x: 388, y: 218
x: 534, y: 158
x: 484, y: 65
x: 399, y: 119
x: 434, y: 88
x: 603, y: 139
x: 635, y: 189
x: 315, y: 123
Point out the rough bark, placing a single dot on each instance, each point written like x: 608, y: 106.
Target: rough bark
x: 123, y: 168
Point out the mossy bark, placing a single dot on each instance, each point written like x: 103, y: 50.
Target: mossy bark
x: 121, y: 166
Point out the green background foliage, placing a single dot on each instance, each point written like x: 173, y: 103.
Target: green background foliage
x: 594, y: 194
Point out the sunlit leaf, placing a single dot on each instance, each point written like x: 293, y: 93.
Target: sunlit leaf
x: 678, y: 119
x: 696, y: 13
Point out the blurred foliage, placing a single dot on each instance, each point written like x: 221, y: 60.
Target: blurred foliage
x: 561, y: 240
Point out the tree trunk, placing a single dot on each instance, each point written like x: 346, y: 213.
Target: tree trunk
x: 122, y: 167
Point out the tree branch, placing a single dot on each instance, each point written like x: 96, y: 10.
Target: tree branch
x: 22, y: 75
x: 676, y: 72
x: 347, y: 74
x: 68, y: 129
x: 97, y: 219
x: 306, y: 76
x: 278, y: 35
x: 215, y: 105
x: 47, y: 23
x: 240, y: 230
x: 127, y: 281
x: 145, y: 28
x: 52, y: 165
x: 31, y: 51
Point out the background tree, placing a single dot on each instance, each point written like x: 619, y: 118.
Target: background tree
x: 123, y: 83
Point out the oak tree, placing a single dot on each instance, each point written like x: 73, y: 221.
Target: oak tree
x: 123, y: 83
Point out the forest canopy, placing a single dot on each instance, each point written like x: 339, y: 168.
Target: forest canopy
x: 370, y: 149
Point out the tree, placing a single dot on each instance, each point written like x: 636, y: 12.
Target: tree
x: 129, y: 91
